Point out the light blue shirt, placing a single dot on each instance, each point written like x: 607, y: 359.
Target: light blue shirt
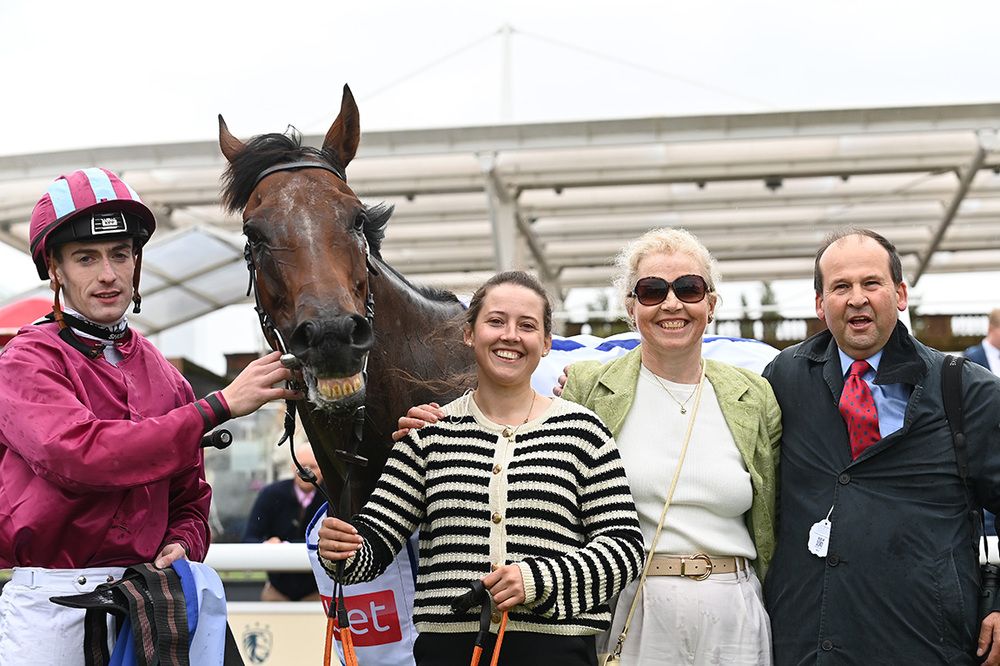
x: 890, y: 399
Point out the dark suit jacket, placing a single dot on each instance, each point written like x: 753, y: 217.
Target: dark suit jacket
x: 977, y: 354
x: 277, y: 513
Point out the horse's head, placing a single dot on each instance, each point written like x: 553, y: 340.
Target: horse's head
x: 308, y: 245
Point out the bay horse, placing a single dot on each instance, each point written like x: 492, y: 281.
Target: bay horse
x: 325, y: 295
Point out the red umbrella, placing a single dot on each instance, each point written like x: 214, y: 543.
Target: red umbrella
x: 21, y: 313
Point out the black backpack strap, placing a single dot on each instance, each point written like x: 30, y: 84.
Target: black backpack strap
x: 951, y: 394
x: 232, y: 656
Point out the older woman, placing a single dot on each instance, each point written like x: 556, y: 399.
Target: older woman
x: 701, y: 601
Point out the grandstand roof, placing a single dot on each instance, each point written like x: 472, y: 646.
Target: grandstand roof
x: 761, y: 190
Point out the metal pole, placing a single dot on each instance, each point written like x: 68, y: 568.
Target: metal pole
x: 963, y: 188
x: 506, y: 113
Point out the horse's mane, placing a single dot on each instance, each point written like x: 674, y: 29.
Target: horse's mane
x: 268, y: 150
x: 431, y: 293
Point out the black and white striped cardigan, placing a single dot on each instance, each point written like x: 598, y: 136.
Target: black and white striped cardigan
x: 552, y: 498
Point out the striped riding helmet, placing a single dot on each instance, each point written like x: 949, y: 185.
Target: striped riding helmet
x: 88, y: 204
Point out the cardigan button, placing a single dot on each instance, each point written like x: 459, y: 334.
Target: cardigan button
x: 497, y: 518
x: 833, y: 560
x: 827, y: 645
x: 497, y: 469
x: 495, y: 617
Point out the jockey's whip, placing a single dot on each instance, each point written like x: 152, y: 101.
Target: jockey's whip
x: 463, y: 603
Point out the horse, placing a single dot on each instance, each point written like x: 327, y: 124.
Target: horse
x: 362, y: 335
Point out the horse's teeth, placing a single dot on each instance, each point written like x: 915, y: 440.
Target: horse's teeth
x: 337, y: 388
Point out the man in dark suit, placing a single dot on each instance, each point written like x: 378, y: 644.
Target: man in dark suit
x: 987, y: 352
x: 281, y: 514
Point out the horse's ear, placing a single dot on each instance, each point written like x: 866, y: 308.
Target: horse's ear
x: 230, y: 145
x: 345, y: 133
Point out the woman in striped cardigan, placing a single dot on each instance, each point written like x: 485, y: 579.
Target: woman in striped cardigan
x: 525, y: 492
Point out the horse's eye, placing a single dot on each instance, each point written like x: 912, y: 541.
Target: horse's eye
x: 254, y: 237
x: 359, y: 222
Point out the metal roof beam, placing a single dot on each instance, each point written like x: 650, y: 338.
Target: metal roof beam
x: 964, y: 183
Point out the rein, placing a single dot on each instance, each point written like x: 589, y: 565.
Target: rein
x: 349, y: 457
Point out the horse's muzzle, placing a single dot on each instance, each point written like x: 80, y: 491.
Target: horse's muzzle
x: 350, y: 334
x: 332, y: 352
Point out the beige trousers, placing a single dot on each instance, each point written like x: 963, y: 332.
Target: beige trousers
x: 679, y: 621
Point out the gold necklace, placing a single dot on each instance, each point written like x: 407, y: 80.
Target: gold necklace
x: 508, y: 431
x: 682, y: 405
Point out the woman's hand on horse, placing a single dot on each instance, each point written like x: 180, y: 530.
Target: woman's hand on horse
x: 416, y: 418
x: 506, y: 586
x: 337, y: 540
x: 255, y: 385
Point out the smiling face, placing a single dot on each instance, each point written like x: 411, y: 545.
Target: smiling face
x: 859, y: 301
x: 508, y: 336
x: 671, y: 327
x: 96, y: 277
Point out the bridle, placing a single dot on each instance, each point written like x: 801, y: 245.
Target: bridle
x: 350, y: 456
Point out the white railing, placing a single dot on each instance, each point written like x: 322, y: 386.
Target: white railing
x: 258, y: 557
x: 294, y: 557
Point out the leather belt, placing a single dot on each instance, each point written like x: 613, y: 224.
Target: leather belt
x: 696, y: 567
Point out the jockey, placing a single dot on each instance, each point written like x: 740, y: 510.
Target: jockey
x: 99, y: 435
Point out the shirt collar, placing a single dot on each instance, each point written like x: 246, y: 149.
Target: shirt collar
x: 305, y: 497
x: 846, y: 361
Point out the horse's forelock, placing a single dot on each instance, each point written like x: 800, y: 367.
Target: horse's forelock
x: 262, y: 152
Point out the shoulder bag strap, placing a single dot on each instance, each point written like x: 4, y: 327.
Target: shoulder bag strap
x: 616, y: 653
x: 951, y: 395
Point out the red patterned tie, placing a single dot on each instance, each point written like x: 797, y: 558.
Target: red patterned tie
x: 858, y: 408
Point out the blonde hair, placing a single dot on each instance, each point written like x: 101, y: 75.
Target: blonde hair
x: 665, y: 240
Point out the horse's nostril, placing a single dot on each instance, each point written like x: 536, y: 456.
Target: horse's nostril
x: 361, y: 333
x: 304, y: 336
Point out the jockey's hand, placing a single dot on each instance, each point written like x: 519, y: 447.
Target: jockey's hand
x: 506, y: 586
x: 563, y: 378
x: 416, y: 418
x: 337, y: 540
x: 255, y: 385
x: 170, y: 553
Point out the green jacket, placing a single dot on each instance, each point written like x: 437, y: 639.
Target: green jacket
x: 747, y: 404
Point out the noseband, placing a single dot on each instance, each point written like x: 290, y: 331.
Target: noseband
x: 349, y: 457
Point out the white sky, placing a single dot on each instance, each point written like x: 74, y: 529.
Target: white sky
x: 81, y: 74
x: 78, y: 74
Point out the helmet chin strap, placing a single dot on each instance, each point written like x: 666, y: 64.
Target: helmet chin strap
x: 57, y: 312
x: 136, y: 298
x: 65, y: 332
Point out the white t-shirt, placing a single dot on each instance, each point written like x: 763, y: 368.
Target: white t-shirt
x: 714, y: 490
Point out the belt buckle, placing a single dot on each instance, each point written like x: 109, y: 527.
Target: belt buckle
x: 699, y: 556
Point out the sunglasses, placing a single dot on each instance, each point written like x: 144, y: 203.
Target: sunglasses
x: 654, y: 290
